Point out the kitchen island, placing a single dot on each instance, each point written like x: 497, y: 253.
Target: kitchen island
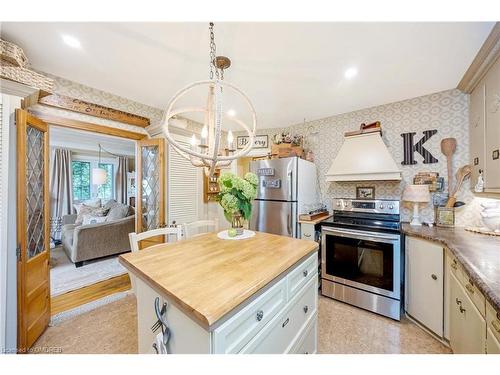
x: 257, y: 295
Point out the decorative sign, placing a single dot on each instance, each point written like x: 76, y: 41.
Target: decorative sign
x: 80, y: 106
x: 409, y: 148
x: 260, y: 141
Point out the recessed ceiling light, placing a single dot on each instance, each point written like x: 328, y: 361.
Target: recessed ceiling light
x: 71, y: 41
x: 351, y: 73
x: 231, y: 112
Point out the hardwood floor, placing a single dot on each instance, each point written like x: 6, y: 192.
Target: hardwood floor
x: 89, y: 293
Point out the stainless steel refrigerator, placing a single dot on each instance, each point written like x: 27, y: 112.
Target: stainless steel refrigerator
x: 286, y: 187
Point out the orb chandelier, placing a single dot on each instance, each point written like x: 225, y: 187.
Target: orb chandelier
x: 210, y: 152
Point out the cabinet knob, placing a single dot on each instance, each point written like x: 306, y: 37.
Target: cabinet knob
x: 306, y: 309
x: 260, y: 315
x: 458, y: 301
x: 305, y: 273
x: 462, y: 310
x: 434, y: 277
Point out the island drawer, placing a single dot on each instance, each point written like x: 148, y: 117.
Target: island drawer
x: 284, y: 330
x: 302, y: 274
x: 234, y: 334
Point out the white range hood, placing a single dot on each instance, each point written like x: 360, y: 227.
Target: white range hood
x: 363, y: 157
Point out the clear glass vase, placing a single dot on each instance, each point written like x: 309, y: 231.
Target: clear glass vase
x: 237, y: 223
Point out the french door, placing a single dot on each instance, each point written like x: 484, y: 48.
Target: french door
x: 33, y: 281
x: 150, y: 188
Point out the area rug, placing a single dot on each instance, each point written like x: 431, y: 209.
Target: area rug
x: 65, y: 277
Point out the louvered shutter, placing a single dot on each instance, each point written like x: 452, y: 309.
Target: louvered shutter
x: 184, y: 183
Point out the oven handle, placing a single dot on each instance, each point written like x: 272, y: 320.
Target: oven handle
x: 374, y: 236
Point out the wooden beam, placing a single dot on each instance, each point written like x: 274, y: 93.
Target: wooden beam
x: 87, y: 126
x: 485, y: 58
x: 91, y: 109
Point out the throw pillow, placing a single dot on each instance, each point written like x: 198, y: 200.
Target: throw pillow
x: 91, y: 219
x: 109, y: 204
x: 96, y: 202
x: 118, y: 211
x: 88, y: 210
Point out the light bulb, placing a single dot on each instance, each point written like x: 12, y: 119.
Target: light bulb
x: 193, y: 140
x: 230, y: 137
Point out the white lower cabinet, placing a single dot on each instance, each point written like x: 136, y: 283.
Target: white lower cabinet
x: 281, y: 333
x: 492, y: 344
x: 467, y: 325
x: 425, y: 283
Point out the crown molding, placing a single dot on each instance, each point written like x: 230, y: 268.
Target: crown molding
x: 485, y: 58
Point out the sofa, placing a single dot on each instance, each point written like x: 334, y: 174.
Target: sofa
x: 91, y: 241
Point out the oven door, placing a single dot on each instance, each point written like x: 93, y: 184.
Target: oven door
x: 370, y: 261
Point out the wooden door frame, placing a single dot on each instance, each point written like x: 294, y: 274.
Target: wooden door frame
x: 77, y: 125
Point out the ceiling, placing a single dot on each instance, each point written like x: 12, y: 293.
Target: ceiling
x: 291, y: 71
x: 88, y: 141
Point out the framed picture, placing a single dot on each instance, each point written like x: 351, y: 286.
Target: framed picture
x: 365, y: 192
x: 445, y: 217
x: 260, y: 141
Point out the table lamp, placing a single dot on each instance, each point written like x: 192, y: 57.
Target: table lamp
x: 416, y: 194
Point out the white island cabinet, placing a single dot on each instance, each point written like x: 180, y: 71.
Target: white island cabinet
x: 265, y: 302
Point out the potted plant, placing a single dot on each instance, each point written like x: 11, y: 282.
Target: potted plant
x: 235, y: 197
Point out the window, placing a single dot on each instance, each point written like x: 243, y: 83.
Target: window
x: 81, y: 180
x: 106, y: 191
x: 83, y: 187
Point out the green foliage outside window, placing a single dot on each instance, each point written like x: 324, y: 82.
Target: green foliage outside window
x: 81, y: 180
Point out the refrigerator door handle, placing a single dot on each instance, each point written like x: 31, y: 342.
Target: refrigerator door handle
x: 289, y: 223
x: 289, y: 183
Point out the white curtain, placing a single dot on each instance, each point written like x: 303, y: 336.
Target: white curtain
x: 121, y: 180
x: 61, y: 192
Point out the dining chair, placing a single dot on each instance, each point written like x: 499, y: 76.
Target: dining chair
x: 136, y: 238
x: 193, y: 229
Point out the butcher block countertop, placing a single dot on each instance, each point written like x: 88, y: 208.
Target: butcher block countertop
x: 478, y: 253
x: 207, y: 277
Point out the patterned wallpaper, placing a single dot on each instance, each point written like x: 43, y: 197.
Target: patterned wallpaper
x: 446, y: 111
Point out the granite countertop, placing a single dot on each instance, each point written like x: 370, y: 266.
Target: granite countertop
x: 479, y: 255
x: 207, y: 277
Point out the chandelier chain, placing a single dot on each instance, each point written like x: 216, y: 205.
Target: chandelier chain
x: 213, y: 53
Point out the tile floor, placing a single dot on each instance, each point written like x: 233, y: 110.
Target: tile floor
x: 342, y: 329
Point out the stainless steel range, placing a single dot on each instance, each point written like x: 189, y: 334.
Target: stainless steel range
x: 361, y: 261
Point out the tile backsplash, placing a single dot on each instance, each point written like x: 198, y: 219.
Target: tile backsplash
x: 446, y: 111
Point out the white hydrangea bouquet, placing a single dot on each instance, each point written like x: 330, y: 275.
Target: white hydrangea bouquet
x: 236, y: 196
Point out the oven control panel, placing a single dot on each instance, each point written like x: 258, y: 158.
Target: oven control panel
x: 380, y: 206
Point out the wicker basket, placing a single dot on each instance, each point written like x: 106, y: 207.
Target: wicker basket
x: 28, y: 77
x: 13, y: 54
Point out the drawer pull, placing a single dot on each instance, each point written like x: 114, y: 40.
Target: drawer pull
x: 434, y: 277
x: 260, y: 315
x: 305, y: 273
x: 306, y: 309
x: 496, y: 325
x: 458, y: 301
x: 470, y: 288
x: 285, y: 322
x: 307, y: 235
x: 462, y: 310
